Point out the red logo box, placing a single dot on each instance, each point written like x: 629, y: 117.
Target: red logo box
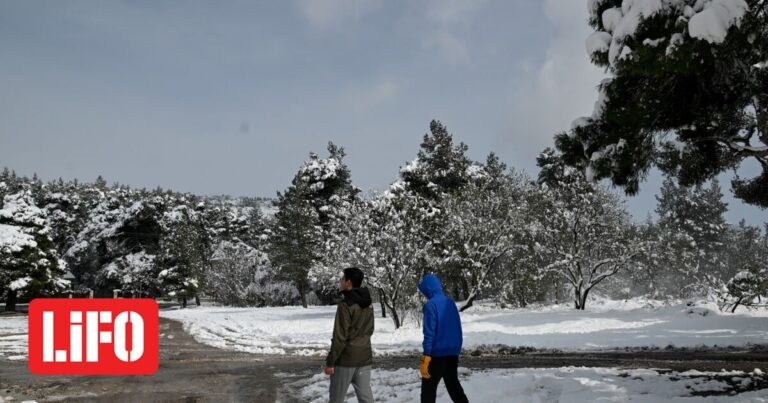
x: 93, y: 336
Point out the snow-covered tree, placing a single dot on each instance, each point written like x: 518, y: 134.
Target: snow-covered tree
x: 692, y: 237
x: 13, y: 184
x: 295, y: 237
x: 29, y: 262
x: 524, y: 279
x: 100, y: 183
x: 184, y: 254
x: 115, y: 237
x: 255, y: 234
x: 328, y: 183
x: 749, y: 287
x: 134, y: 274
x: 746, y: 256
x: 241, y: 275
x: 484, y: 227
x: 698, y: 211
x: 686, y: 92
x: 384, y: 237
x: 587, y: 233
x: 65, y: 214
x: 313, y: 204
x: 440, y: 166
x: 226, y: 219
x: 123, y: 223
x: 440, y: 170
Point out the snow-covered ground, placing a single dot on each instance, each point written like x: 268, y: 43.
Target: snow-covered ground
x: 604, y: 325
x: 568, y: 384
x: 13, y: 337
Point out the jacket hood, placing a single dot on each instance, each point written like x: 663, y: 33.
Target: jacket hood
x: 359, y: 296
x: 430, y: 285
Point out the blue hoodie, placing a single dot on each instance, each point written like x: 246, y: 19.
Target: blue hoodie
x: 442, y: 325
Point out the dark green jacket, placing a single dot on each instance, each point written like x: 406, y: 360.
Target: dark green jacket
x: 352, y: 330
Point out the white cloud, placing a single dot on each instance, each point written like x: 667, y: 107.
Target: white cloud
x: 365, y: 98
x: 551, y: 93
x: 449, y: 45
x: 448, y: 22
x: 324, y: 14
x: 447, y: 12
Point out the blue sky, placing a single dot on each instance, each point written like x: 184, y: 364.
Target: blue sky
x: 229, y: 97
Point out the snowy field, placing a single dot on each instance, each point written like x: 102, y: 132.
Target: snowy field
x: 604, y: 325
x: 13, y: 337
x: 567, y: 384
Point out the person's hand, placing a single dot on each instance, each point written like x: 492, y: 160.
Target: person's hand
x: 329, y: 370
x: 424, y: 368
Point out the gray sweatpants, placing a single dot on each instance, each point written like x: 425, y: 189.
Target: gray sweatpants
x: 360, y: 377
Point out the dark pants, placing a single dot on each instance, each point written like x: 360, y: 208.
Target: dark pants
x: 443, y: 368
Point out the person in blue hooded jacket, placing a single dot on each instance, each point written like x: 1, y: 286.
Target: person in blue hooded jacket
x: 442, y: 343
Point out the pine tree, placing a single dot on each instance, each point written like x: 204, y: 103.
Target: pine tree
x: 694, y: 233
x: 295, y: 237
x: 440, y: 167
x: 121, y: 235
x: 685, y: 95
x: 29, y: 263
x: 183, y: 259
x: 256, y: 228
x: 440, y: 170
x: 328, y: 183
x: 100, y: 183
x: 325, y: 184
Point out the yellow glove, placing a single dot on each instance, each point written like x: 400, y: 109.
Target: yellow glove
x: 424, y: 368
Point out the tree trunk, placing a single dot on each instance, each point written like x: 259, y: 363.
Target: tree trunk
x: 395, y: 318
x: 736, y: 305
x: 456, y: 294
x: 197, y: 300
x: 184, y: 301
x: 581, y: 298
x: 468, y: 303
x: 382, y: 301
x: 10, y: 301
x: 392, y: 311
x: 559, y: 295
x: 522, y: 302
x: 303, y: 298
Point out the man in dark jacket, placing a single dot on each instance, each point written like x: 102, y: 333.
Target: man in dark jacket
x: 350, y: 358
x: 442, y: 343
